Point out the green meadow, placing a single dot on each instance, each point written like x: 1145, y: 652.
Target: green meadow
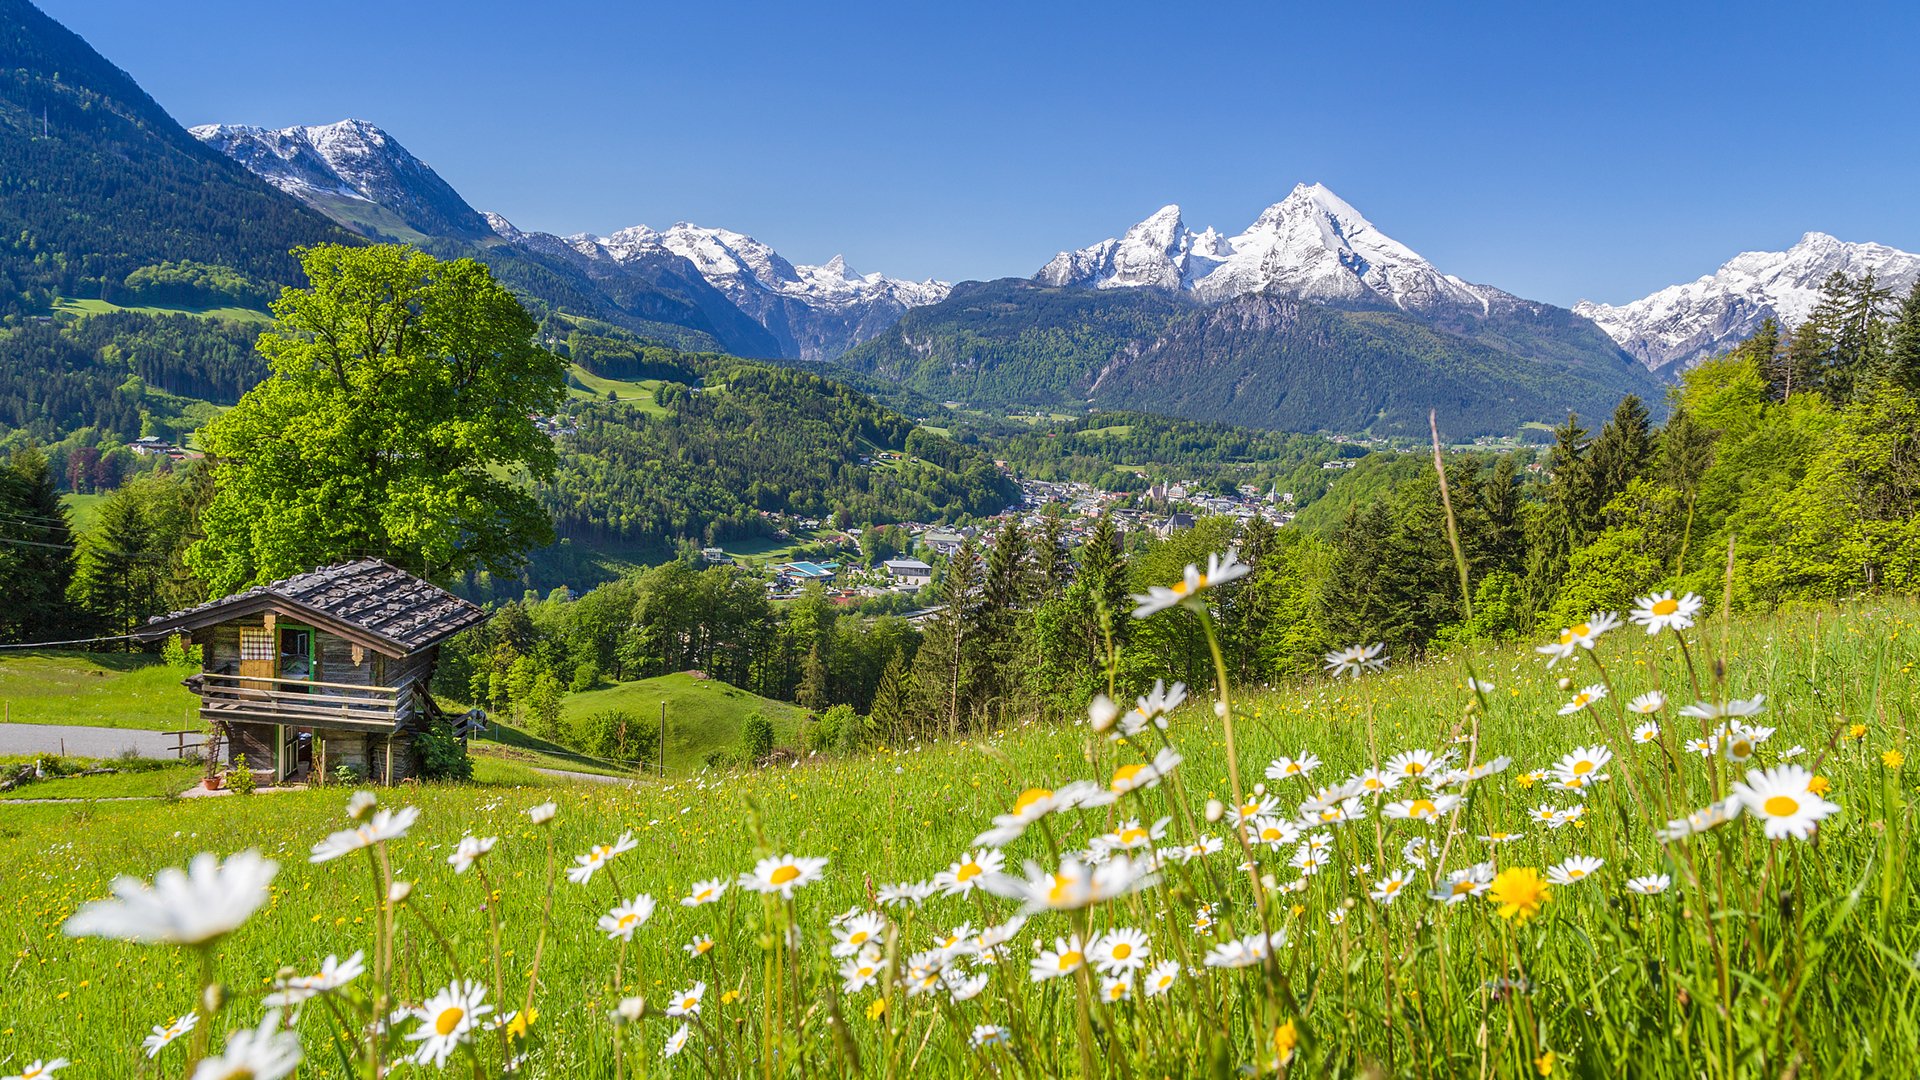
x: 1762, y: 958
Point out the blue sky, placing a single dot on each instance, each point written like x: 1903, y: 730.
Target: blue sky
x: 1559, y: 151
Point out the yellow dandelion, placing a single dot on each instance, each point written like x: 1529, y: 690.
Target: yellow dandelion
x: 1285, y: 1038
x: 1520, y: 893
x: 1818, y: 785
x: 1893, y: 759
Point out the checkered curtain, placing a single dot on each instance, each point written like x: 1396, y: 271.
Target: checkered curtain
x: 256, y: 645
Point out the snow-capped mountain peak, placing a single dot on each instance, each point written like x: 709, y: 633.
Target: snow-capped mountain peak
x: 1311, y: 244
x: 1687, y: 322
x: 332, y: 167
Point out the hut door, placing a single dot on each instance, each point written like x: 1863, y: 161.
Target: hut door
x: 258, y: 658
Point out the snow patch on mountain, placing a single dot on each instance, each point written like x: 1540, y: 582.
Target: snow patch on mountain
x: 1700, y: 318
x: 1312, y: 245
x: 352, y: 160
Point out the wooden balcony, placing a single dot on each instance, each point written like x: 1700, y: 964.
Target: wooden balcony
x: 297, y: 702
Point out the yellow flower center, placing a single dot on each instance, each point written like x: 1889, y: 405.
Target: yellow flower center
x: 1414, y: 768
x: 1666, y: 607
x: 1124, y: 775
x: 689, y: 1001
x: 1132, y: 836
x: 1293, y: 767
x: 1576, y: 873
x: 1582, y: 768
x: 703, y: 945
x: 967, y: 872
x: 1461, y: 888
x: 1071, y: 959
x: 448, y: 1020
x: 1781, y: 806
x: 857, y: 937
x: 1371, y: 783
x: 628, y: 920
x: 1122, y: 950
x: 1423, y: 808
x: 781, y: 875
x: 1270, y: 834
x: 1029, y: 797
x: 1119, y: 991
x: 1058, y: 893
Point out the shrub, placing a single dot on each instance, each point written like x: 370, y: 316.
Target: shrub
x: 240, y: 776
x: 839, y: 729
x: 177, y: 653
x: 440, y: 755
x: 617, y: 735
x: 586, y: 675
x: 757, y: 737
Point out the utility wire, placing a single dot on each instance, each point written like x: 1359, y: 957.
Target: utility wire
x: 76, y: 641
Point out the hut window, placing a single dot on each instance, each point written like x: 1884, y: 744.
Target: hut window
x: 256, y: 644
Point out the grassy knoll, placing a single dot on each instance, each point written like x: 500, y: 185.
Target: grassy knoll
x: 117, y: 690
x: 703, y: 715
x: 72, y: 306
x: 1817, y: 937
x: 81, y: 509
x: 582, y: 383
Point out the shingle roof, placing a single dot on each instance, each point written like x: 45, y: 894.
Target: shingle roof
x: 369, y: 595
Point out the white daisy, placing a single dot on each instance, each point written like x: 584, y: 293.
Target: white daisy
x: 1660, y: 610
x: 1465, y: 884
x: 1649, y: 885
x: 704, y: 892
x: 543, y: 813
x: 853, y: 936
x: 966, y: 875
x: 1030, y: 806
x: 1579, y: 636
x: 1102, y: 712
x: 1067, y: 956
x: 624, y: 919
x: 1714, y: 710
x: 1427, y: 810
x: 294, y: 990
x: 447, y: 1021
x: 907, y: 893
x: 862, y: 971
x: 1195, y: 581
x: 469, y: 852
x: 985, y: 1035
x: 385, y: 825
x: 1711, y: 816
x: 1573, y: 869
x: 207, y: 900
x: 584, y: 866
x: 1116, y: 990
x: 40, y: 1069
x: 676, y: 1042
x: 1781, y: 799
x: 1121, y: 950
x: 783, y: 874
x: 1647, y: 733
x: 1074, y: 885
x: 1587, y: 696
x: 1288, y: 768
x: 1153, y: 708
x: 701, y: 945
x: 1648, y: 703
x: 687, y: 1002
x: 1162, y: 977
x: 360, y: 804
x: 165, y: 1034
x: 1355, y: 659
x: 1389, y: 888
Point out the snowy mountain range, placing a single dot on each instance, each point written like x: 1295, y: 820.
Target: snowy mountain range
x: 362, y: 177
x: 354, y: 173
x: 1311, y: 245
x: 1681, y: 324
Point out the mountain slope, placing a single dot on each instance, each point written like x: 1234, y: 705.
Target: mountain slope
x: 1260, y: 359
x: 96, y: 180
x: 1684, y: 323
x: 354, y: 173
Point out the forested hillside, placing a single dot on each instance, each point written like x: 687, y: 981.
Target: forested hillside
x: 97, y: 181
x: 759, y: 440
x: 1257, y: 360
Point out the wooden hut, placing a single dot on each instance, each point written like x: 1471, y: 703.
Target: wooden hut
x: 321, y: 670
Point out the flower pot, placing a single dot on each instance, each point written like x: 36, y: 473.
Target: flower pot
x: 211, y: 783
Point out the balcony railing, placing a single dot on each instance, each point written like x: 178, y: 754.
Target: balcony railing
x: 259, y: 699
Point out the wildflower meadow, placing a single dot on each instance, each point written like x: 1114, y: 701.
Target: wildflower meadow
x: 1659, y: 843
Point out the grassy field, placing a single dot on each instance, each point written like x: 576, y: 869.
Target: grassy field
x: 1761, y: 959
x: 582, y: 383
x: 81, y: 509
x: 703, y: 715
x: 148, y: 781
x: 71, y: 306
x: 116, y: 690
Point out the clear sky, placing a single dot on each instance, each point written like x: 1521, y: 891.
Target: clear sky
x: 1558, y: 150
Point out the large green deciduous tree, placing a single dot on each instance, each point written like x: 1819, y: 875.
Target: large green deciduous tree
x: 398, y: 422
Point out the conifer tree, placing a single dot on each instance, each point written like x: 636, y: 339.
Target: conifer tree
x: 1052, y: 566
x: 889, y: 712
x: 36, y: 551
x: 946, y: 666
x: 1621, y: 453
x: 1505, y: 543
x: 1902, y: 367
x: 812, y: 693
